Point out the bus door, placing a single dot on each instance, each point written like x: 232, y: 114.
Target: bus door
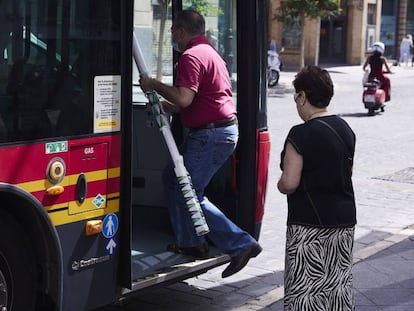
x: 230, y: 27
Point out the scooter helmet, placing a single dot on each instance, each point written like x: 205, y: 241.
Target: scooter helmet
x: 378, y: 47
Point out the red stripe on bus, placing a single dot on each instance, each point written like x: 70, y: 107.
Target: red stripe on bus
x: 25, y: 163
x: 263, y: 155
x: 113, y: 185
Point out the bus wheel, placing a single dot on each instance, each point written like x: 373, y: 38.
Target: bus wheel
x: 17, y: 267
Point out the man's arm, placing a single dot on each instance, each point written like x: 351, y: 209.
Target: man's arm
x: 180, y: 96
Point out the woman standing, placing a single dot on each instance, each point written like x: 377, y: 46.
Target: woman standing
x: 317, y: 164
x: 405, y: 49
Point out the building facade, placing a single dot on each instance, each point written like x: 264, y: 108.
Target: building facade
x: 345, y: 38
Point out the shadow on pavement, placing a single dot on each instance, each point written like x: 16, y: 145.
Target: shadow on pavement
x: 217, y: 295
x: 385, y: 280
x: 355, y: 115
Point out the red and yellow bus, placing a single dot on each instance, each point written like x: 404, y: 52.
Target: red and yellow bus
x: 83, y: 218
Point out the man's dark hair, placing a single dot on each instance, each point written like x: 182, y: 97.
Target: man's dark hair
x: 192, y: 22
x: 317, y: 85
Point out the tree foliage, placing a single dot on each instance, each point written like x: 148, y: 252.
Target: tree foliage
x: 292, y: 9
x: 203, y: 7
x: 292, y: 13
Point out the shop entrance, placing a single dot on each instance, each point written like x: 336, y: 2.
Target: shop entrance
x: 332, y: 41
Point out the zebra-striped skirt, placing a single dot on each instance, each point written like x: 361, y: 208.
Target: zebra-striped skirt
x: 318, y: 269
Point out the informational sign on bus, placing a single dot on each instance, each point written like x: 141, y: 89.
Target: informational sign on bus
x: 107, y: 104
x: 56, y: 147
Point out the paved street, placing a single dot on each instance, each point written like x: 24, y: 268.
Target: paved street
x: 384, y: 186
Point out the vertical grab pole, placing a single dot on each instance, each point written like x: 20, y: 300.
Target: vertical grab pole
x: 183, y: 177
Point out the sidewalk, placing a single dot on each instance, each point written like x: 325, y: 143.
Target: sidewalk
x: 383, y: 263
x: 384, y: 274
x: 383, y: 277
x: 383, y: 280
x: 384, y: 189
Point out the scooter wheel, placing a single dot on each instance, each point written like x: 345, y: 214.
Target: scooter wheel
x: 382, y: 109
x: 371, y: 112
x: 274, y: 78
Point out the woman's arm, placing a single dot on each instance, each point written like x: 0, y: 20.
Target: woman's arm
x: 292, y: 170
x: 384, y: 61
x: 365, y: 64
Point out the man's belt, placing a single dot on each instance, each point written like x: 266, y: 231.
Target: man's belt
x: 216, y: 124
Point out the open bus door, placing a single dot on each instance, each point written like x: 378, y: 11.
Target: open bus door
x: 239, y: 188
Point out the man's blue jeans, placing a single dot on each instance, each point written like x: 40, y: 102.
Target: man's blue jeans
x: 204, y: 152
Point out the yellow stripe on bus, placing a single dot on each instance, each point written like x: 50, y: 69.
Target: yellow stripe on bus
x: 51, y: 208
x: 62, y: 217
x: 112, y: 195
x: 114, y: 172
x: 42, y: 184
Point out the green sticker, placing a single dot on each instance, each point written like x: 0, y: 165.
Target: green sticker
x: 56, y: 147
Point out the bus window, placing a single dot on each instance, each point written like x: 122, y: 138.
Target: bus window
x: 221, y: 30
x: 47, y: 68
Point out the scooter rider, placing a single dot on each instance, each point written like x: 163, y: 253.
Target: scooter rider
x: 377, y: 62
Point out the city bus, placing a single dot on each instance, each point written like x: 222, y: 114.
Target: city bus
x: 83, y: 217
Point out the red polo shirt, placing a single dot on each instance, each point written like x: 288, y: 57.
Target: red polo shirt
x: 202, y: 69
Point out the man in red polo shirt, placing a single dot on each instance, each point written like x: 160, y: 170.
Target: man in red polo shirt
x: 202, y: 94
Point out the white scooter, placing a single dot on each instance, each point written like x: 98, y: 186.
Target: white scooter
x: 273, y: 65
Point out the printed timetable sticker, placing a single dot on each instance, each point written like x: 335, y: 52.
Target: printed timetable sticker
x: 107, y: 104
x: 110, y: 225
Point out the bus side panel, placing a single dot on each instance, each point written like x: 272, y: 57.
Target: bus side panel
x: 90, y: 271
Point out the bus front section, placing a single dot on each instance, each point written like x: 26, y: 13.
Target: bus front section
x: 65, y: 86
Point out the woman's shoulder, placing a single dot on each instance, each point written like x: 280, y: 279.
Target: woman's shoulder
x: 297, y: 131
x: 334, y: 118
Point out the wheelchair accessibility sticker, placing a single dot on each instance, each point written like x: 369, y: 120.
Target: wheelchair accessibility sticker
x: 110, y: 226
